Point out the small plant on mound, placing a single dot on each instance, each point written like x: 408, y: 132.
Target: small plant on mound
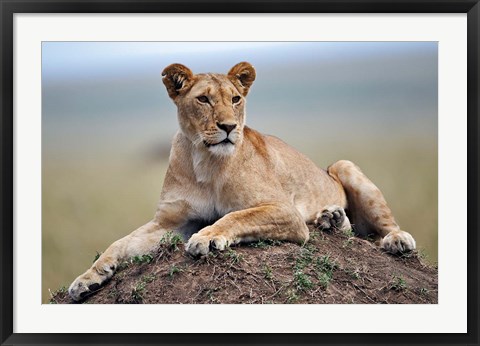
x: 354, y: 273
x: 97, y: 256
x: 424, y: 291
x: 139, y: 290
x: 234, y: 256
x: 292, y: 296
x: 398, y: 284
x: 174, y: 270
x: 324, y: 267
x: 310, y: 271
x: 265, y: 243
x: 267, y: 272
x: 171, y: 241
x: 138, y: 260
x: 141, y: 259
x: 350, y: 236
x: 61, y: 290
x: 302, y: 281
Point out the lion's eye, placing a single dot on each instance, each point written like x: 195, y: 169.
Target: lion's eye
x: 202, y: 99
x: 235, y: 99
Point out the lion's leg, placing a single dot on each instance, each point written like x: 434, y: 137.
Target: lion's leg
x: 143, y: 240
x: 368, y: 208
x: 266, y: 221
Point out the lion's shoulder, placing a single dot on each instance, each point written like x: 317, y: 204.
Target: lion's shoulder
x: 257, y: 140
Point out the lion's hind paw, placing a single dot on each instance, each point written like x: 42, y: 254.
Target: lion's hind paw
x: 398, y: 242
x: 332, y: 217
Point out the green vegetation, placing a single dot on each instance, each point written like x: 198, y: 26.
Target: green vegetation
x: 141, y: 259
x: 292, y: 296
x: 149, y: 278
x: 354, y: 273
x: 174, y: 270
x: 52, y: 300
x: 325, y: 264
x: 265, y: 243
x: 138, y: 292
x: 137, y: 260
x: 350, y: 235
x: 306, y: 256
x: 398, y: 284
x: 210, y: 293
x: 171, y: 240
x: 324, y: 267
x: 233, y: 255
x: 302, y: 281
x: 424, y: 291
x: 267, y: 272
x: 97, y: 256
x: 308, y: 266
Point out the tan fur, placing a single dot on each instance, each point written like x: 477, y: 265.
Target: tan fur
x: 252, y: 187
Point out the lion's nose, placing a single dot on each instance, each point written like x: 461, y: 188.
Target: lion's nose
x: 227, y: 127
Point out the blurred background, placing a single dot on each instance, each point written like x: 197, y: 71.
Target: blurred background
x: 107, y: 123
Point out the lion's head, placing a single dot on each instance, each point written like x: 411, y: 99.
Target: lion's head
x: 211, y: 107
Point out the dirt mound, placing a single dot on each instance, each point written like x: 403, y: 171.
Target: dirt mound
x: 331, y: 268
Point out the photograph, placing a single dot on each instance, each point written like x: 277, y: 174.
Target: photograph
x: 239, y: 172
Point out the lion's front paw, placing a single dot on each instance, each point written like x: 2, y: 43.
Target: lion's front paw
x: 91, y: 280
x: 398, y: 242
x: 332, y: 217
x: 84, y: 285
x: 200, y: 244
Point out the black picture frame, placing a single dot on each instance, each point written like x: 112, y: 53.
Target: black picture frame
x: 9, y: 7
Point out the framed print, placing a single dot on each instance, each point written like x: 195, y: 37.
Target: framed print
x: 117, y: 112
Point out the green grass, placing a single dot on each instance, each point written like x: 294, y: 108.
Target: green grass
x: 149, y: 278
x: 325, y: 264
x: 52, y: 300
x: 138, y: 292
x: 210, y: 293
x: 171, y: 240
x: 265, y: 243
x: 424, y: 291
x: 353, y: 273
x: 233, y: 256
x: 350, y: 236
x: 398, y: 284
x: 305, y: 257
x: 174, y: 270
x: 324, y: 279
x: 142, y: 259
x: 324, y: 267
x: 302, y: 281
x: 349, y: 233
x: 135, y: 260
x: 97, y: 256
x: 292, y: 296
x: 267, y: 272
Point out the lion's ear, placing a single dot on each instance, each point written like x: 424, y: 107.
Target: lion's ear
x: 177, y: 78
x: 242, y: 76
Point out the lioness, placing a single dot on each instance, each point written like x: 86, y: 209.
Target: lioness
x: 232, y: 184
